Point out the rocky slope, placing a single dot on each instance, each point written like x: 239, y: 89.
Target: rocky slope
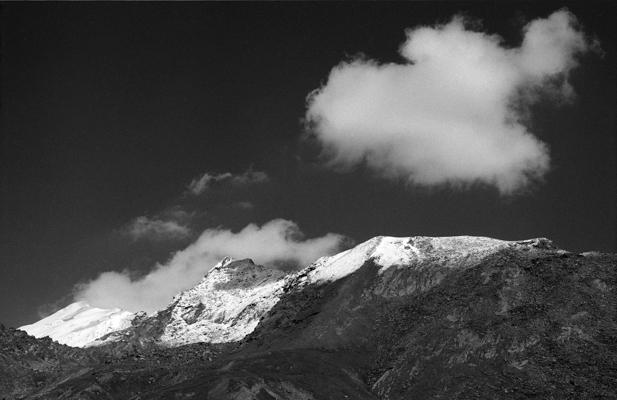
x: 393, y: 318
x: 27, y: 363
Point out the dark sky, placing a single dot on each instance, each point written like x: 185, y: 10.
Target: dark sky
x: 109, y: 110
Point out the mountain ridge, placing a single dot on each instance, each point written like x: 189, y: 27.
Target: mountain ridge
x: 96, y: 326
x: 507, y: 320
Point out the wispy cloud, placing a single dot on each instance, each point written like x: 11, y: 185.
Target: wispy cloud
x: 279, y: 242
x: 204, y: 182
x: 243, y: 205
x: 156, y: 229
x: 454, y: 112
x: 176, y: 221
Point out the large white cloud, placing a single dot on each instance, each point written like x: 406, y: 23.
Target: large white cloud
x: 453, y: 113
x: 274, y: 242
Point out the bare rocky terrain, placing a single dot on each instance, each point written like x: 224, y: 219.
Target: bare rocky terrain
x: 524, y: 321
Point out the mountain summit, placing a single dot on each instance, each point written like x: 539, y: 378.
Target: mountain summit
x: 392, y: 318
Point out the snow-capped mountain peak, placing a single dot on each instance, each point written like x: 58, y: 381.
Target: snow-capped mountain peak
x: 80, y: 324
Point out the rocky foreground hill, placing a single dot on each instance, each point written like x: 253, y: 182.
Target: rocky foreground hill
x: 393, y: 318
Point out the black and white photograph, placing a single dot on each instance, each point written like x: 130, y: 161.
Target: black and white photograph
x: 325, y: 200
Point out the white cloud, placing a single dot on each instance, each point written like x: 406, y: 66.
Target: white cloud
x: 276, y: 241
x: 453, y: 113
x: 155, y: 229
x: 204, y: 182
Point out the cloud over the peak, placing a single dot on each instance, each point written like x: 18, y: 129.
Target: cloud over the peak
x: 202, y: 183
x: 454, y: 111
x: 156, y: 229
x: 275, y: 242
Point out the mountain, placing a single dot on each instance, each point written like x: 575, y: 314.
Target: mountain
x: 231, y: 299
x: 392, y: 318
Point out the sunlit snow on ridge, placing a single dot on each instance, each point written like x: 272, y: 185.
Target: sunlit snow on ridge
x: 388, y: 251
